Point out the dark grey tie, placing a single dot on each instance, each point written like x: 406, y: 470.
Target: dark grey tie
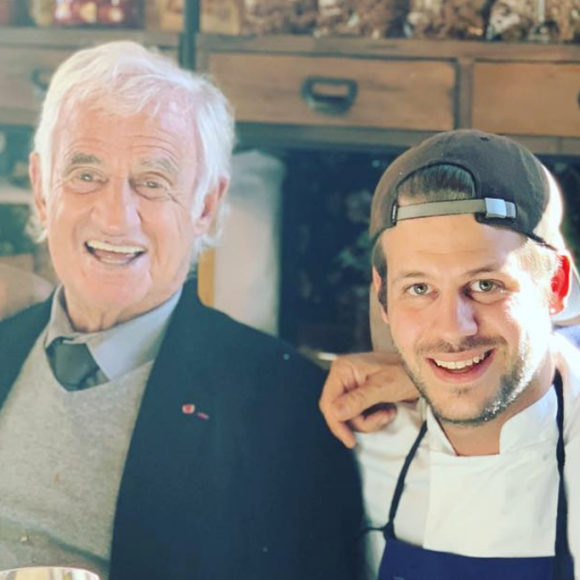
x: 73, y: 365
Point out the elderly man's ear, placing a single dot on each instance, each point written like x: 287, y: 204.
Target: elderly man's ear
x: 34, y: 173
x: 561, y: 282
x: 211, y: 204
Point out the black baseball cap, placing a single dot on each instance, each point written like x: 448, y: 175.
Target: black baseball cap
x: 512, y: 189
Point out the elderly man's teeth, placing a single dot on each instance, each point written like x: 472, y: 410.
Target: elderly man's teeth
x: 117, y: 249
x: 460, y: 364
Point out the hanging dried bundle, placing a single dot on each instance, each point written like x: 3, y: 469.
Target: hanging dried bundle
x: 335, y: 17
x: 540, y: 20
x: 461, y: 19
x: 513, y: 19
x: 563, y: 19
x: 280, y: 16
x: 374, y: 18
x: 378, y: 18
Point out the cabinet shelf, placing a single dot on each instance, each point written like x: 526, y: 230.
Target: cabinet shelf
x: 75, y: 38
x: 528, y: 91
x: 11, y: 194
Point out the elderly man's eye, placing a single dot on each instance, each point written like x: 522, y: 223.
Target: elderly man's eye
x: 152, y: 188
x: 84, y: 180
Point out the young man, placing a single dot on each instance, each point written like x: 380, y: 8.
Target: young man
x: 479, y: 478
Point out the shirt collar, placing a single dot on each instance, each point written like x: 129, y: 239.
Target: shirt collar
x: 119, y: 349
x: 534, y: 424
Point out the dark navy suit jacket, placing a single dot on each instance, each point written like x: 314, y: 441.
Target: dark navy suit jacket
x: 252, y: 488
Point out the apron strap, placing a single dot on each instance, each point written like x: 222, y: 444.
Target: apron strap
x: 389, y: 529
x: 563, y: 563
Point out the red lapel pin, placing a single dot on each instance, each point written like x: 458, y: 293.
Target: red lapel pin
x: 189, y: 409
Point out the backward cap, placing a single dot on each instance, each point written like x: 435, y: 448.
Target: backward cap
x: 503, y: 172
x: 500, y: 168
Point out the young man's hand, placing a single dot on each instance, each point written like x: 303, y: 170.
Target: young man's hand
x: 361, y: 391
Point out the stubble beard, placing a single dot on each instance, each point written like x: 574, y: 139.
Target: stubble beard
x: 511, y: 384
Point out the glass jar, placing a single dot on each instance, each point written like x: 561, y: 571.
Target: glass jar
x: 41, y: 11
x: 103, y: 13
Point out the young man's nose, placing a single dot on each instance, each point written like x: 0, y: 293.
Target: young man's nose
x: 456, y: 318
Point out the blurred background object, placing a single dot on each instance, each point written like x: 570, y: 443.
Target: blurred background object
x: 7, y: 10
x: 105, y: 13
x: 41, y: 12
x: 247, y: 260
x: 461, y: 19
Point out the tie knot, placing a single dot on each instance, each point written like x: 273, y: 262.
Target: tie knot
x: 73, y: 364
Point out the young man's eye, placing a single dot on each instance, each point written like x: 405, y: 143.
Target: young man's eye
x: 419, y: 289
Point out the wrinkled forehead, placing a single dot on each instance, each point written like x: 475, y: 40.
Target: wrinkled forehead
x: 82, y: 125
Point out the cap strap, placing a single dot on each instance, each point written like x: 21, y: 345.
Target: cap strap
x: 493, y: 208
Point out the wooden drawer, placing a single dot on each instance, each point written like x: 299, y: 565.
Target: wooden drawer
x: 527, y: 98
x: 24, y: 76
x: 302, y: 90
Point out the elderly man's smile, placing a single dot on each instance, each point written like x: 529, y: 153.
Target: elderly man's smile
x: 114, y: 254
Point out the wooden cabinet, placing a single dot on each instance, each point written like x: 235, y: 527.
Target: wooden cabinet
x: 29, y: 56
x: 342, y: 92
x: 526, y: 98
x: 405, y: 90
x: 349, y: 92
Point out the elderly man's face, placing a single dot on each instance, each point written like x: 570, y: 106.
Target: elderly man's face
x: 119, y: 216
x: 471, y: 324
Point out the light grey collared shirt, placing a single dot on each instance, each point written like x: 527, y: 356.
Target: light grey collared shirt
x: 120, y: 349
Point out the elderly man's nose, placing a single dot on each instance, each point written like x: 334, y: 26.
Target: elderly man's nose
x: 116, y: 205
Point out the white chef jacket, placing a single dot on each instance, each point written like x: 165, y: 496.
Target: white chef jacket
x: 487, y: 506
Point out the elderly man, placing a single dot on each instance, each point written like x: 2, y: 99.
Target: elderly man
x: 479, y: 478
x: 143, y: 435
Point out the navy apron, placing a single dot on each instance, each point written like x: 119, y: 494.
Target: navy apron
x: 402, y: 561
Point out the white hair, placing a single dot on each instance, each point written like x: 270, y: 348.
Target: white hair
x: 125, y: 78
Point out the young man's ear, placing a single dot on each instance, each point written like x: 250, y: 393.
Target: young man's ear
x: 561, y: 282
x: 35, y: 173
x: 211, y: 204
x: 378, y: 288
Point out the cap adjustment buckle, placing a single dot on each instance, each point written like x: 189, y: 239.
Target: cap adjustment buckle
x: 490, y: 207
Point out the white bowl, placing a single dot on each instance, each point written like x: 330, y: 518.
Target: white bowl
x: 47, y: 573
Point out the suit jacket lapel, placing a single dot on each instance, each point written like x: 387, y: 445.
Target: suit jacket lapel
x: 17, y: 337
x: 156, y: 500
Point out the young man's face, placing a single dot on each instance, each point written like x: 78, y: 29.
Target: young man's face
x: 471, y: 324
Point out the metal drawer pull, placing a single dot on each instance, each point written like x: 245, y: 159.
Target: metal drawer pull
x: 329, y: 96
x: 41, y: 78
